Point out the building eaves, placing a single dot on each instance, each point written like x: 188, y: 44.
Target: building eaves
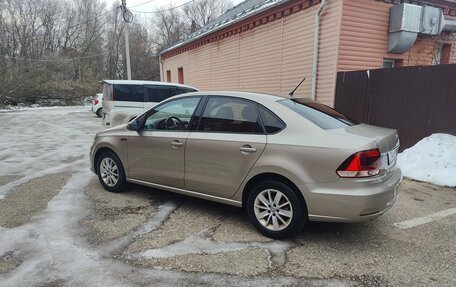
x: 238, y: 13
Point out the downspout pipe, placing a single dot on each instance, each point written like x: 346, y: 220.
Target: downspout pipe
x: 160, y: 63
x: 315, y: 48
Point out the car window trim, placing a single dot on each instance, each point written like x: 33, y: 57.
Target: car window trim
x: 201, y: 106
x: 220, y: 132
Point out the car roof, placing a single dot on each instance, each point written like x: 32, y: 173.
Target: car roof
x: 259, y: 97
x: 137, y: 82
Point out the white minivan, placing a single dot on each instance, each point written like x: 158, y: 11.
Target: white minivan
x: 124, y: 100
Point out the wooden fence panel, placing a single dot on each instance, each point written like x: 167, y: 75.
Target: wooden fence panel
x: 417, y: 101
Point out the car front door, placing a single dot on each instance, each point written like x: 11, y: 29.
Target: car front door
x: 228, y: 142
x: 156, y: 151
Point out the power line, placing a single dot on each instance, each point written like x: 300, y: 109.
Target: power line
x: 141, y: 4
x: 164, y: 10
x: 58, y: 60
x: 93, y: 19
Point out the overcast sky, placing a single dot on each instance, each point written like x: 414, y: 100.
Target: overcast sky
x: 152, y: 4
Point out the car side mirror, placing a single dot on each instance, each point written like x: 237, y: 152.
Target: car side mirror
x: 133, y: 125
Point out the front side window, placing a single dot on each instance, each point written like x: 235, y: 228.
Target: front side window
x: 174, y: 115
x: 232, y: 115
x: 319, y: 114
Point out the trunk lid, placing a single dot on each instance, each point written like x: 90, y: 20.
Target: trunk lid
x: 387, y: 141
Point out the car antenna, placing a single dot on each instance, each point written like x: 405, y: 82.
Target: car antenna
x: 292, y: 92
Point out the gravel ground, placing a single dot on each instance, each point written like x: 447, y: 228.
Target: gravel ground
x: 61, y: 228
x: 29, y: 199
x: 8, y: 262
x: 7, y: 179
x: 113, y: 216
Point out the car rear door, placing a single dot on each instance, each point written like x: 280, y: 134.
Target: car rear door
x: 228, y: 142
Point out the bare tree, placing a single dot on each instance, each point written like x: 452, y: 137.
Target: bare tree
x: 169, y: 26
x: 61, y: 49
x: 142, y: 54
x: 113, y: 34
x: 202, y: 12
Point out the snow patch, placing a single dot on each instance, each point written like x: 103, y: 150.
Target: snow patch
x: 433, y: 159
x: 202, y: 243
x: 44, y: 138
x: 48, y: 110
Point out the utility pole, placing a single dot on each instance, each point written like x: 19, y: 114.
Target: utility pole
x: 128, y: 17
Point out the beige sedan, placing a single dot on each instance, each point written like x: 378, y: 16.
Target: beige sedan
x: 286, y: 161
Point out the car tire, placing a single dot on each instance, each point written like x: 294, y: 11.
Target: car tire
x: 100, y: 112
x: 111, y: 172
x: 276, y: 210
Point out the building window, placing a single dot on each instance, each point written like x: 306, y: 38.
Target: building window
x: 442, y: 54
x: 388, y: 63
x: 180, y: 75
x: 168, y: 76
x: 436, y: 57
x: 392, y: 63
x: 446, y: 54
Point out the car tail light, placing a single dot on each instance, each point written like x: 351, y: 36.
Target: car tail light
x: 112, y: 95
x: 96, y: 102
x: 361, y: 164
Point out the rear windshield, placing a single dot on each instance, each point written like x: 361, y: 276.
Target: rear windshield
x: 319, y: 114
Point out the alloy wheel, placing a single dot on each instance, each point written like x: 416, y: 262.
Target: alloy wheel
x: 273, y: 209
x: 109, y: 172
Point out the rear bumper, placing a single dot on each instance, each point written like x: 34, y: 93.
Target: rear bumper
x: 95, y: 108
x: 350, y: 200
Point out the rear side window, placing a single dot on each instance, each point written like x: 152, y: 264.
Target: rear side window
x: 231, y: 115
x: 159, y: 93
x: 129, y: 93
x: 271, y: 122
x: 319, y: 114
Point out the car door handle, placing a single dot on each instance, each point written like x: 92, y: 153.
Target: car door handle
x: 176, y: 144
x: 245, y: 149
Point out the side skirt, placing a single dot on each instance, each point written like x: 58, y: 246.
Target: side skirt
x: 188, y: 192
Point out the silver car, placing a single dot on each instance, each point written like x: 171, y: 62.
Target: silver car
x: 287, y: 161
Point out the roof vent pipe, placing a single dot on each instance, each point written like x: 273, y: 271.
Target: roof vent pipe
x: 409, y: 20
x: 450, y: 25
x: 404, y: 25
x: 315, y: 48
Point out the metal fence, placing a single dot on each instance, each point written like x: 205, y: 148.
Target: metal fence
x: 417, y: 101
